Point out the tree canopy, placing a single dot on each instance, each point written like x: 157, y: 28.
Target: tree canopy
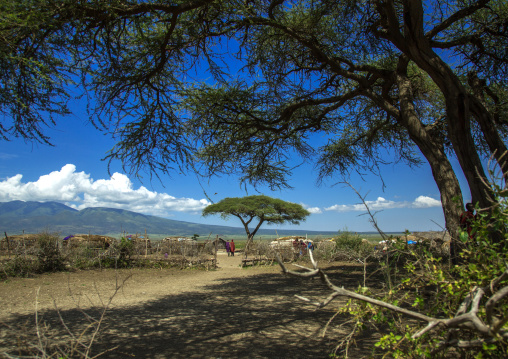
x: 419, y: 78
x: 260, y: 208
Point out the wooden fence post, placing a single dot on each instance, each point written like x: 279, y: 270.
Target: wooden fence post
x: 216, y: 243
x: 8, y: 245
x: 146, y: 244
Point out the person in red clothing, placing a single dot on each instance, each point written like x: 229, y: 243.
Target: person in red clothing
x: 232, y: 248
x: 467, y: 218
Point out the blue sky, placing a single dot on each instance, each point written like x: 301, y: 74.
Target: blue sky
x: 72, y: 173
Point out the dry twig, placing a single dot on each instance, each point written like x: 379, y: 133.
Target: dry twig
x: 466, y: 317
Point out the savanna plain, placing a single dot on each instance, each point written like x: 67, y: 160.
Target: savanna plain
x: 228, y: 312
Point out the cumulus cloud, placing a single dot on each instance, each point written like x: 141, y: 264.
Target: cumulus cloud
x: 313, y: 210
x: 78, y: 190
x: 425, y: 202
x: 381, y: 203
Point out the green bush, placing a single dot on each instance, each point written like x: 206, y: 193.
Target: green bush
x: 346, y: 240
x: 350, y: 246
x: 125, y: 251
x: 474, y: 288
x: 19, y: 266
x: 118, y: 255
x: 49, y: 257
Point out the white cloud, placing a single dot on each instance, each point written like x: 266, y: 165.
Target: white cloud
x: 78, y: 190
x: 381, y: 203
x: 425, y: 202
x: 313, y: 210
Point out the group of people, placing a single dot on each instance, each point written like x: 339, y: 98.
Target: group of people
x: 230, y: 248
x: 301, y: 247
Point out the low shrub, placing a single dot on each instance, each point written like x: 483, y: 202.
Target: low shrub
x: 19, y: 266
x: 350, y: 246
x: 49, y: 257
x: 466, y: 298
x: 44, y: 257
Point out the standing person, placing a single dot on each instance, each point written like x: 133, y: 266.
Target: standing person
x: 467, y: 218
x: 232, y: 248
x: 228, y: 247
x: 466, y: 223
x: 310, y: 246
x: 303, y: 248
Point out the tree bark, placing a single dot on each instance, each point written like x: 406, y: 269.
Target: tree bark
x: 432, y: 149
x: 250, y: 236
x: 417, y: 48
x: 487, y: 123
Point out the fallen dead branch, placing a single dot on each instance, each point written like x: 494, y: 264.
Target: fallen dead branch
x: 486, y: 330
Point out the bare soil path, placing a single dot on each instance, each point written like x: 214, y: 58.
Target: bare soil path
x: 225, y: 313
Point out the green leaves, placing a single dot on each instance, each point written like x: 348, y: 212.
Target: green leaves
x: 244, y: 88
x: 260, y: 207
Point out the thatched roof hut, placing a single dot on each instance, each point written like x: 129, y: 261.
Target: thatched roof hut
x: 14, y: 241
x: 89, y: 240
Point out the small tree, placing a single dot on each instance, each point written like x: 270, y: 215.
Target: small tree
x: 260, y: 207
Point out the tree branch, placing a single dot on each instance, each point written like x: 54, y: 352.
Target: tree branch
x: 462, y: 13
x: 463, y: 320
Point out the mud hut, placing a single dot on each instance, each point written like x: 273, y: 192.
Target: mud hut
x: 88, y: 241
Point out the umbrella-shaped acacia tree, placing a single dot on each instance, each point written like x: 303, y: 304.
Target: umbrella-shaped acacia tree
x: 261, y: 208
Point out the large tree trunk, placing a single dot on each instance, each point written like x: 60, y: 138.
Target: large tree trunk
x: 433, y: 150
x: 416, y: 47
x: 487, y: 122
x: 459, y: 130
x: 459, y: 104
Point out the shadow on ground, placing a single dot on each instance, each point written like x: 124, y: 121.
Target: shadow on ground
x: 249, y: 317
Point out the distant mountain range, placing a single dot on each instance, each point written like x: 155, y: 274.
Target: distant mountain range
x: 34, y: 217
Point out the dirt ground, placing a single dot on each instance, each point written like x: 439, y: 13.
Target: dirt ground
x: 226, y: 313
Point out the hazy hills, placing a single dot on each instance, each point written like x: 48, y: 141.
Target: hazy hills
x: 33, y: 217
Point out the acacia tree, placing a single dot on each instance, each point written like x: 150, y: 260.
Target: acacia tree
x: 261, y: 208
x: 368, y: 75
